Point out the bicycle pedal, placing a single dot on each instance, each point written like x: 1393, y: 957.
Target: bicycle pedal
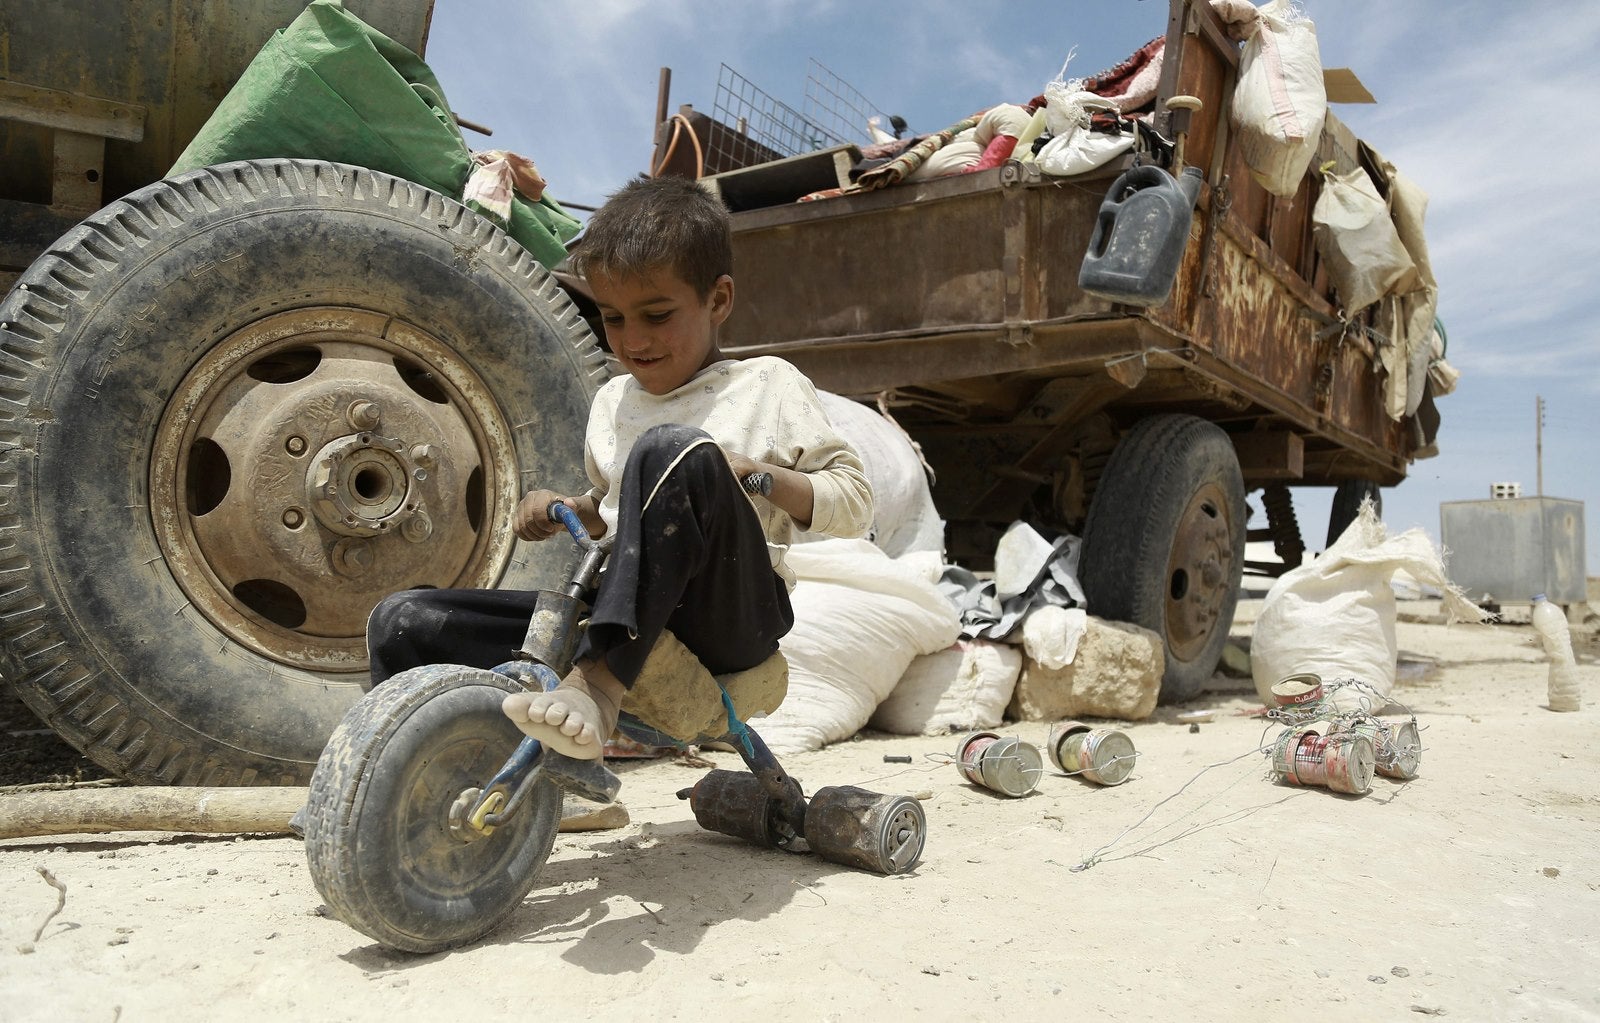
x: 587, y: 779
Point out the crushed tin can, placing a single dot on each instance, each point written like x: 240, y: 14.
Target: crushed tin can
x: 1298, y: 691
x: 1396, y: 745
x: 1341, y: 761
x: 1005, y: 764
x: 1102, y: 755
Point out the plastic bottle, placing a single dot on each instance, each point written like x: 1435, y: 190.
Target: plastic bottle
x: 1551, y: 623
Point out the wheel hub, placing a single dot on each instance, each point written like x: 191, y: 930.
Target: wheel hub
x: 316, y: 461
x: 1197, y: 572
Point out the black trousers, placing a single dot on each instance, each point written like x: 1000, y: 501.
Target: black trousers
x: 689, y: 556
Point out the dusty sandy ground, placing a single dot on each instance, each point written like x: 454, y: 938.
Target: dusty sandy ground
x: 1472, y: 892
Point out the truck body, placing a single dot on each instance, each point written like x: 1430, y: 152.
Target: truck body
x: 955, y: 304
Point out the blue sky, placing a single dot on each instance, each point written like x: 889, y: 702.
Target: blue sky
x: 1493, y: 108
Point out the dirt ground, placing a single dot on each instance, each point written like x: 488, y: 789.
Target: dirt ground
x: 1472, y: 892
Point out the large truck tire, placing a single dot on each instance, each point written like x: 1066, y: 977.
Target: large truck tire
x: 1163, y: 545
x: 239, y: 407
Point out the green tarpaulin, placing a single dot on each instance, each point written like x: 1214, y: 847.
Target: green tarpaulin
x: 330, y: 87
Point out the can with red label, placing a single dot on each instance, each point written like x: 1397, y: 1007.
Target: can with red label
x: 1298, y: 691
x: 1341, y: 761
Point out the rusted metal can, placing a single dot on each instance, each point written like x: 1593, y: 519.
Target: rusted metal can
x: 1103, y: 755
x: 1396, y: 745
x: 1007, y: 765
x: 1341, y: 761
x: 1298, y: 691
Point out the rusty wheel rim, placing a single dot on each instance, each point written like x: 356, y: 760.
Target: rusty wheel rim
x: 1198, y: 570
x: 317, y: 460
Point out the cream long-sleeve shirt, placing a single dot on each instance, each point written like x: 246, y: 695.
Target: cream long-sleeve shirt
x: 763, y: 408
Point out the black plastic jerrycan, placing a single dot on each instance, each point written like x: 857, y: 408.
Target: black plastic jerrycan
x: 1139, y: 239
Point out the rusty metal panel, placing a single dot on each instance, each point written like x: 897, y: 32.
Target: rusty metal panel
x: 176, y: 58
x: 851, y: 267
x: 1513, y: 548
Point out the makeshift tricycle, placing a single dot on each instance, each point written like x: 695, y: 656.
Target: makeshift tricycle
x: 423, y: 833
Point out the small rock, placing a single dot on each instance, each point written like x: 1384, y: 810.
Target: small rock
x: 932, y: 971
x: 121, y: 939
x: 1400, y: 971
x: 274, y: 934
x: 1324, y: 974
x: 1552, y: 872
x: 212, y: 872
x: 1377, y: 979
x: 1193, y: 728
x: 1428, y: 1010
x: 717, y: 977
x: 26, y: 948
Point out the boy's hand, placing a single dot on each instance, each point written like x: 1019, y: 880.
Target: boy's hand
x: 743, y: 465
x: 532, y: 521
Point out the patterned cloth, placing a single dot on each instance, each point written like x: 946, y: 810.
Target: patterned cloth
x: 896, y: 170
x: 496, y: 176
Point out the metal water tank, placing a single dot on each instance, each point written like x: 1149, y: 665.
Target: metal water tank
x: 1512, y: 548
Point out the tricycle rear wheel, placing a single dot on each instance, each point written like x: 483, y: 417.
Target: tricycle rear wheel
x: 379, y: 838
x: 1163, y: 545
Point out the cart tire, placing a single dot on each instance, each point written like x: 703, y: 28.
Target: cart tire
x: 378, y: 838
x: 1163, y: 545
x: 1347, y: 498
x: 239, y: 407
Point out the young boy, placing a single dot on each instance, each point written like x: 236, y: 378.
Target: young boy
x: 665, y: 450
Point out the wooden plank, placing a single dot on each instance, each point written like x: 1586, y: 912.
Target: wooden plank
x: 80, y: 163
x: 71, y: 111
x: 1270, y: 455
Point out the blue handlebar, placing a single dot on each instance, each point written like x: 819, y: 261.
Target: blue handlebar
x: 559, y: 512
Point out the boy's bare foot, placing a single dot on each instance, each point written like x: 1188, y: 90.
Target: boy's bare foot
x: 574, y: 718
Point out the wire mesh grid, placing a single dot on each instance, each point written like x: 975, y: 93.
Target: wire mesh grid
x: 838, y: 107
x: 762, y: 127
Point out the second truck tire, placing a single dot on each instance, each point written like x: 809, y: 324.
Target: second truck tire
x: 1163, y: 545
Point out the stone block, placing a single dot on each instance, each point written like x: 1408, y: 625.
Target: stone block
x: 1116, y: 673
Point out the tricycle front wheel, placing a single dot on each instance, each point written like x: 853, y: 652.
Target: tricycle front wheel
x: 384, y: 837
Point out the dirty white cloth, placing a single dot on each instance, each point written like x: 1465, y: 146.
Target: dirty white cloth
x: 860, y: 616
x: 1279, y: 103
x: 764, y: 408
x: 964, y: 150
x: 1335, y: 615
x: 959, y: 688
x: 1030, y: 573
x: 1359, y: 243
x: 904, y: 518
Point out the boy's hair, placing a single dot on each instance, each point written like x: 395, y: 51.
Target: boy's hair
x: 655, y: 223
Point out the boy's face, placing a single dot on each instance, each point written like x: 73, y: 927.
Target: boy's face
x: 661, y: 331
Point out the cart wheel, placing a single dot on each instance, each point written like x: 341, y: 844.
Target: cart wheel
x: 379, y: 836
x: 1347, y: 498
x: 1163, y: 546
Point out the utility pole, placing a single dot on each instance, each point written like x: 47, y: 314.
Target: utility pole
x: 1538, y: 439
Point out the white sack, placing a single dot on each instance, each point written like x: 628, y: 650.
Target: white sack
x: 1280, y: 103
x: 904, y: 518
x: 1050, y: 635
x: 859, y: 618
x: 1365, y: 257
x: 959, y: 688
x: 1334, y: 616
x: 1082, y: 151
